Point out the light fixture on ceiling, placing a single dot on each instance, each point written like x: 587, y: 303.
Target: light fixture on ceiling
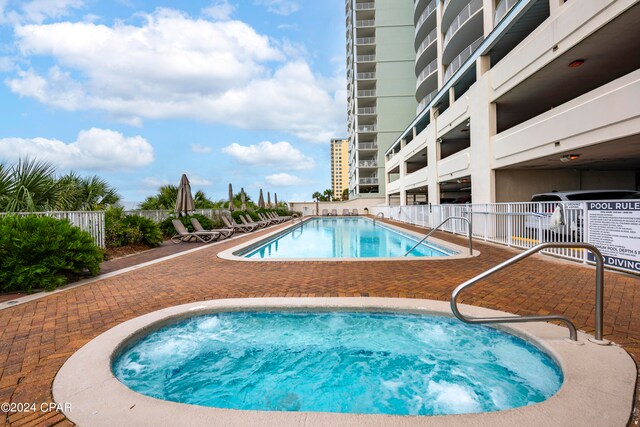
x: 576, y: 63
x: 463, y: 180
x: 569, y: 157
x: 464, y: 130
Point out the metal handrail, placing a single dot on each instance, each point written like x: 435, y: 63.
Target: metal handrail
x: 377, y: 215
x: 295, y: 216
x: 433, y: 230
x: 573, y: 335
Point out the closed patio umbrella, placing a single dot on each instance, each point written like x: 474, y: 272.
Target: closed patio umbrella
x: 230, y: 198
x: 261, y: 200
x: 268, y: 199
x: 275, y: 199
x: 184, y: 202
x: 243, y: 197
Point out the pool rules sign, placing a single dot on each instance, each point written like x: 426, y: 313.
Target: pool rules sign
x: 614, y: 228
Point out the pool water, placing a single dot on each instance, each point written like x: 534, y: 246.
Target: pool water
x: 368, y: 363
x: 343, y: 238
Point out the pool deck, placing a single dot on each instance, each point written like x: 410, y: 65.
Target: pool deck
x: 41, y: 334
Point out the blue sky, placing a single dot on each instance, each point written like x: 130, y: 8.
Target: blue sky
x: 139, y: 92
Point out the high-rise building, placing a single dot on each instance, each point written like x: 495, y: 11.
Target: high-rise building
x: 518, y: 97
x: 339, y: 166
x: 381, y: 86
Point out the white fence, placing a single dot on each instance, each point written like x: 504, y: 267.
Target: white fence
x: 161, y: 215
x: 520, y: 225
x: 90, y: 221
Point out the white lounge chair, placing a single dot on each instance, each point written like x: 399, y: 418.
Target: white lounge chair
x: 334, y: 212
x: 354, y: 212
x: 224, y: 232
x: 229, y: 222
x: 325, y: 212
x: 345, y: 212
x: 246, y: 219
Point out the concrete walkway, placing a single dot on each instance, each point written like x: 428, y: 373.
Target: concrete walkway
x: 40, y: 335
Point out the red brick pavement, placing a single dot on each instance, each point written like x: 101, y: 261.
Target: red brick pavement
x: 39, y: 336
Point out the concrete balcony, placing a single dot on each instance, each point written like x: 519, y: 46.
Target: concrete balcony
x: 366, y: 76
x: 368, y: 146
x: 454, y: 166
x: 501, y: 11
x: 366, y: 58
x: 368, y: 181
x: 368, y: 164
x: 366, y: 6
x: 367, y: 111
x: 367, y: 128
x: 462, y: 57
x: 363, y: 41
x: 366, y: 23
x: 366, y: 93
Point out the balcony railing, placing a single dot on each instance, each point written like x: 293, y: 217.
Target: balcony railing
x: 427, y: 71
x: 368, y: 163
x: 367, y: 146
x: 502, y: 9
x: 366, y: 76
x: 365, y: 40
x: 461, y: 58
x: 365, y: 6
x: 366, y: 128
x: 370, y: 92
x: 431, y: 7
x: 368, y: 181
x: 433, y: 35
x: 425, y: 101
x: 367, y: 110
x: 464, y: 15
x: 364, y: 23
x: 366, y: 58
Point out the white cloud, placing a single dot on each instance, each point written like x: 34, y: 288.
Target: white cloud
x: 283, y: 180
x: 196, y: 180
x: 220, y: 10
x: 173, y: 66
x: 280, y: 7
x: 153, y: 182
x: 280, y: 154
x: 200, y: 149
x: 37, y: 11
x: 100, y: 149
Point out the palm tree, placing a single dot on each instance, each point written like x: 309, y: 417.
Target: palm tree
x: 89, y: 193
x: 167, y: 196
x: 328, y: 194
x: 317, y: 196
x: 345, y: 194
x: 29, y: 186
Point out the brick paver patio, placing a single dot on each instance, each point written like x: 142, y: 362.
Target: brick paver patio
x: 39, y: 336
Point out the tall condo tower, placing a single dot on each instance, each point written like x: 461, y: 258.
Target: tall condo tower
x: 381, y: 86
x: 339, y: 166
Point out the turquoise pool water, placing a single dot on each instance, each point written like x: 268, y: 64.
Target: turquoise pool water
x: 342, y: 238
x: 370, y: 363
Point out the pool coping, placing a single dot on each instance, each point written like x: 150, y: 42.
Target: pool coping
x: 230, y: 254
x: 598, y: 385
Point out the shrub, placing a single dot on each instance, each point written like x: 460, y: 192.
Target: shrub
x: 121, y: 230
x: 42, y: 252
x: 166, y: 226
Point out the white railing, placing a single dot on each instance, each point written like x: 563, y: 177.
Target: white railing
x: 366, y: 128
x: 365, y: 40
x: 431, y: 37
x: 90, y: 221
x: 502, y: 9
x: 431, y: 7
x: 370, y: 92
x: 366, y: 23
x: 368, y: 181
x: 425, y: 101
x: 464, y: 15
x: 368, y: 163
x: 366, y: 76
x: 367, y: 110
x: 161, y: 215
x: 365, y: 6
x: 520, y: 225
x: 457, y: 62
x: 367, y: 146
x: 427, y: 71
x: 365, y: 58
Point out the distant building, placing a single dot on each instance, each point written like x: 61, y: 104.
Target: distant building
x: 381, y: 86
x: 339, y: 166
x: 515, y: 98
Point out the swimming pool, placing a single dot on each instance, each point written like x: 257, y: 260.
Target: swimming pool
x: 345, y: 362
x: 320, y: 238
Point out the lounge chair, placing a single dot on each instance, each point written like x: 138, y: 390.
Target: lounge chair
x: 283, y: 218
x: 268, y: 216
x: 184, y: 235
x: 354, y: 212
x: 266, y: 219
x: 345, y: 212
x: 246, y: 219
x: 224, y: 232
x: 334, y: 212
x: 229, y: 222
x: 325, y: 212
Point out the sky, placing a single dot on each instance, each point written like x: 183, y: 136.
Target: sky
x: 139, y: 92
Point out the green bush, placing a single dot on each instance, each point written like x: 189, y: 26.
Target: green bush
x: 42, y: 252
x: 167, y: 228
x: 121, y: 230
